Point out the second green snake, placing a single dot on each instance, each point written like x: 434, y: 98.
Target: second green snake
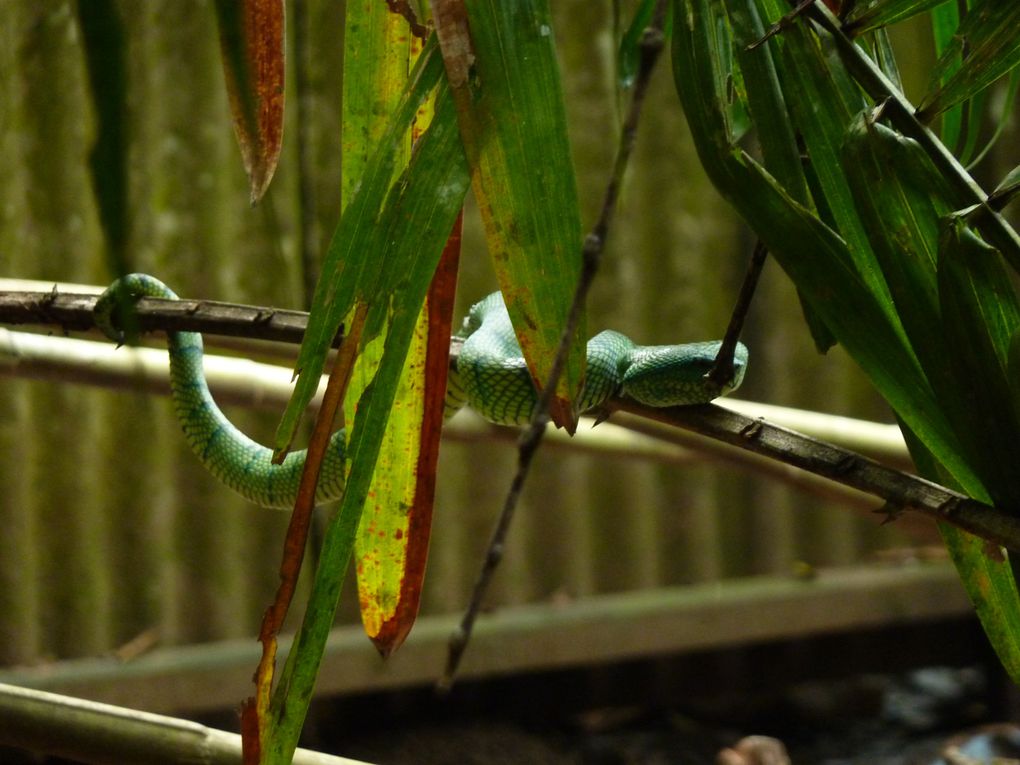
x: 490, y: 376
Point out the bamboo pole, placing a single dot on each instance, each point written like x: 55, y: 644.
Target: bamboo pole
x: 89, y: 732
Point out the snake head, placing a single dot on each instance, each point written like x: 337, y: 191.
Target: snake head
x: 677, y: 375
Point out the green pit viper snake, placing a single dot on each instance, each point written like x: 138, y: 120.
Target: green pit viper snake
x: 490, y: 376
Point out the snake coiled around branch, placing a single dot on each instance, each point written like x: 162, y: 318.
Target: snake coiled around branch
x: 490, y: 376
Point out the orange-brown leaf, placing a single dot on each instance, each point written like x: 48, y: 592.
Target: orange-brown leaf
x: 252, y: 49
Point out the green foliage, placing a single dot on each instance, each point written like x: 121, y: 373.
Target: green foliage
x: 505, y: 132
x: 407, y: 221
x: 878, y: 247
x: 856, y: 199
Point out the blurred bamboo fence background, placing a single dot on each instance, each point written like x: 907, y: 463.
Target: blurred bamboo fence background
x: 111, y: 529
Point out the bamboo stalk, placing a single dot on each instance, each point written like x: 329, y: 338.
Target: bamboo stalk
x: 87, y: 731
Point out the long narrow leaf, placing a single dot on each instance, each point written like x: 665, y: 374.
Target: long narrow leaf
x: 502, y: 65
x: 993, y: 49
x: 389, y: 557
x: 252, y: 49
x: 1007, y: 189
x: 393, y: 538
x: 896, y: 193
x: 824, y: 102
x: 1002, y: 122
x: 980, y: 313
x: 355, y: 247
x: 884, y: 12
x: 766, y: 101
x: 944, y: 21
x: 988, y: 578
x: 415, y: 221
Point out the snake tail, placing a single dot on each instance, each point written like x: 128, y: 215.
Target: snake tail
x: 235, y: 459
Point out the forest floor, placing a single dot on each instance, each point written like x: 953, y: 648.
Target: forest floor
x: 888, y: 719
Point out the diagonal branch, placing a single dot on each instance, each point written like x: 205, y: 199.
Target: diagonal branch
x: 651, y: 45
x: 900, y: 491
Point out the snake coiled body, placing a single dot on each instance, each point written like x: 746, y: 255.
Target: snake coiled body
x: 241, y: 463
x: 490, y: 376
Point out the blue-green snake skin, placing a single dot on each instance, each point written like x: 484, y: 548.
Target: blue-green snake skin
x: 490, y: 376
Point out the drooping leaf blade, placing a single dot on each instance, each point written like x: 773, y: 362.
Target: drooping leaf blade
x: 823, y: 102
x: 896, y: 194
x: 501, y: 64
x: 815, y: 257
x: 987, y: 578
x: 1003, y: 120
x: 944, y: 21
x: 881, y: 13
x: 415, y: 220
x: 393, y: 537
x: 104, y: 45
x: 1007, y: 189
x: 252, y: 51
x: 766, y: 101
x: 988, y: 34
x: 991, y: 586
x: 980, y: 314
x: 350, y: 267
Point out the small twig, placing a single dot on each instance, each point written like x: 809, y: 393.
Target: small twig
x: 403, y: 8
x: 782, y: 25
x: 722, y: 371
x: 651, y: 45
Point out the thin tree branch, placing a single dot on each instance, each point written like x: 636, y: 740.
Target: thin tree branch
x: 721, y: 372
x: 652, y: 42
x: 242, y: 382
x: 73, y: 312
x: 900, y: 491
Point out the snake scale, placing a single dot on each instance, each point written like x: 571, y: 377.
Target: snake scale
x: 490, y: 376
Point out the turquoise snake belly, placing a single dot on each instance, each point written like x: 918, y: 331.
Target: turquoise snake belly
x: 490, y: 376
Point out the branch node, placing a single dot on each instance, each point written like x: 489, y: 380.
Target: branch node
x: 950, y: 507
x: 891, y: 511
x: 652, y: 40
x: 846, y: 464
x: 752, y: 430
